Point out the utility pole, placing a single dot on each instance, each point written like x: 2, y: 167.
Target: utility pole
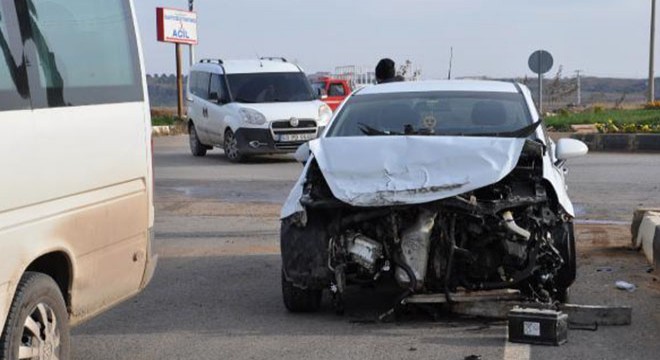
x: 179, y: 81
x: 451, y: 61
x: 651, y: 94
x: 191, y: 48
x: 579, y: 87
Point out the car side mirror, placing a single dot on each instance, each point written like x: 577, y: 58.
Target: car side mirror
x: 213, y: 96
x: 570, y: 148
x: 302, y: 153
x: 322, y: 94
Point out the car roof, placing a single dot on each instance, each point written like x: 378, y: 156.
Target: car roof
x: 247, y: 66
x: 258, y: 66
x: 440, y: 85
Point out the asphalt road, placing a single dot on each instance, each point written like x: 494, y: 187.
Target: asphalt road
x: 216, y: 292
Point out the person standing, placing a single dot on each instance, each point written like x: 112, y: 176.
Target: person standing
x: 386, y: 72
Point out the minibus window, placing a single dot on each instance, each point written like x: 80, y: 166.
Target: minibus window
x: 14, y: 93
x: 86, y: 51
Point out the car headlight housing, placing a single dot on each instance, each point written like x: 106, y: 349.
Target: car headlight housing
x: 252, y: 117
x: 325, y: 114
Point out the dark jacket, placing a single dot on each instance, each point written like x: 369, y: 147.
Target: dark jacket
x: 397, y: 78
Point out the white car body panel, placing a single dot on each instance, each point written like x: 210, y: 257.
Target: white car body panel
x: 412, y: 169
x: 395, y: 170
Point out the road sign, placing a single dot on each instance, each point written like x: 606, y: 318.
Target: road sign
x: 176, y: 26
x: 540, y: 62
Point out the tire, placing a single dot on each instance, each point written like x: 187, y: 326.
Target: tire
x: 38, y: 306
x: 564, y: 237
x: 298, y: 300
x: 230, y: 146
x: 196, y: 147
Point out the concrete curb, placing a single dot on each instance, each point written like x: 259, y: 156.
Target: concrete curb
x: 168, y: 130
x: 646, y: 235
x: 621, y: 142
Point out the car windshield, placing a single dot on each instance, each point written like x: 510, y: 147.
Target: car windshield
x: 270, y: 87
x: 432, y: 113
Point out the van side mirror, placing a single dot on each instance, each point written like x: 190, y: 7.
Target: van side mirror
x: 322, y: 94
x: 570, y: 148
x: 213, y: 96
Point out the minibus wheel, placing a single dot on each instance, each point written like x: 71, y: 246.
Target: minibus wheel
x: 37, y: 326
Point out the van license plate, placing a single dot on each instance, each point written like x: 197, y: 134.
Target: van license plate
x: 296, y: 137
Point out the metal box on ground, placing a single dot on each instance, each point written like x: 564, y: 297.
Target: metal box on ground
x: 537, y: 326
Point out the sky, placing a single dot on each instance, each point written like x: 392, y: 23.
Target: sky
x: 494, y: 38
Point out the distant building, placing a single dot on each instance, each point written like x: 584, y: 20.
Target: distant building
x: 357, y: 76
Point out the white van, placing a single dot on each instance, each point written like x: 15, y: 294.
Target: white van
x: 76, y: 209
x: 249, y: 107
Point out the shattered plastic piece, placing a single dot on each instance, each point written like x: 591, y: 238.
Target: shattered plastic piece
x: 624, y: 285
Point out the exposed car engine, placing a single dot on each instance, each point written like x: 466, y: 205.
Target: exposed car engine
x: 511, y: 234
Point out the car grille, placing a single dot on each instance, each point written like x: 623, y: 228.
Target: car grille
x: 283, y: 127
x: 286, y: 124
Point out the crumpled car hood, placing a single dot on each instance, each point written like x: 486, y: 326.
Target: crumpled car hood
x: 393, y: 170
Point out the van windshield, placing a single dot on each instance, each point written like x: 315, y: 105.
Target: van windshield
x: 270, y: 87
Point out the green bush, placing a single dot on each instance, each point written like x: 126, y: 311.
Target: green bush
x: 621, y: 120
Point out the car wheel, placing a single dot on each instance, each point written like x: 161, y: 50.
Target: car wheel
x: 37, y: 325
x: 230, y: 146
x: 564, y: 236
x: 196, y: 147
x: 300, y: 300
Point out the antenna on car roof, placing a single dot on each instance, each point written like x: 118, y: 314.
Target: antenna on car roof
x: 261, y: 64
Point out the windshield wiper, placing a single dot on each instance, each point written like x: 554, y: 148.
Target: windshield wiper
x: 368, y: 130
x: 520, y: 133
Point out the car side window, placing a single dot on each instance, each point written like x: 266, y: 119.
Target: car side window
x: 217, y: 89
x: 202, y: 84
x: 84, y: 52
x: 336, y: 89
x: 14, y: 90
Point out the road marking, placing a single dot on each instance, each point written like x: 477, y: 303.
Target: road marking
x: 513, y: 351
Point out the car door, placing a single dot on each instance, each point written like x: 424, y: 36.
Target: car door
x: 201, y: 105
x: 336, y: 94
x: 217, y: 109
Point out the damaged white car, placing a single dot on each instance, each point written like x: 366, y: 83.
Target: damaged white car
x: 440, y: 186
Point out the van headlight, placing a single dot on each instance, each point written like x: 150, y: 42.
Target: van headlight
x: 325, y: 114
x: 252, y: 117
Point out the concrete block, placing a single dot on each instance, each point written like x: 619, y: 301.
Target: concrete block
x: 161, y: 130
x: 648, y: 142
x: 585, y: 129
x: 648, y: 236
x: 638, y: 215
x: 592, y: 140
x: 601, y: 315
x: 616, y: 142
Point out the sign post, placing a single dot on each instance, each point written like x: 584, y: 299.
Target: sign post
x: 540, y: 62
x: 191, y: 48
x: 178, y: 27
